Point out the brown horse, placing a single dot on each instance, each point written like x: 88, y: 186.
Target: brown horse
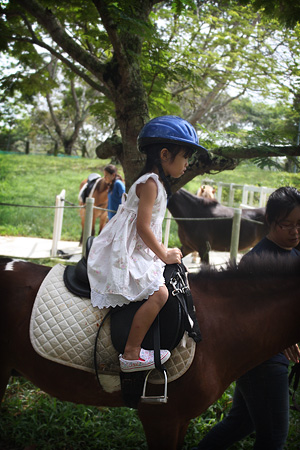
x: 246, y: 315
x: 205, y: 235
x: 100, y: 194
x: 205, y: 191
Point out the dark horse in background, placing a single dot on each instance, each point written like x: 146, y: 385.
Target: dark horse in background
x: 246, y: 315
x: 98, y: 189
x: 205, y: 235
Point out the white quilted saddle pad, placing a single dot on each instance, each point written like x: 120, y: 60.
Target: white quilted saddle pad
x: 63, y: 328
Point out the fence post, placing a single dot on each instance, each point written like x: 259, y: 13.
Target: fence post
x: 245, y: 195
x: 219, y: 192
x: 167, y: 229
x: 235, y: 233
x: 58, y: 219
x: 88, y: 221
x: 231, y: 194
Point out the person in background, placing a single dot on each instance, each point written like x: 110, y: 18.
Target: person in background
x: 116, y: 189
x: 261, y: 397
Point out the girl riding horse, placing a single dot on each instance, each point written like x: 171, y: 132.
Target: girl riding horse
x: 127, y: 259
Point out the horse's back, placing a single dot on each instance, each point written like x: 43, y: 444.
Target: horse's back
x: 19, y: 281
x: 194, y: 235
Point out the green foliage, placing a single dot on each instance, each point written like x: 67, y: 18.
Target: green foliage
x: 29, y: 417
x: 272, y: 124
x: 286, y: 11
x: 221, y: 47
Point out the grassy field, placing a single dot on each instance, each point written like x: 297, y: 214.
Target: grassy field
x: 36, y: 180
x: 29, y: 418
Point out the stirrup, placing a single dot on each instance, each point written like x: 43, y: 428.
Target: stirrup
x: 155, y: 399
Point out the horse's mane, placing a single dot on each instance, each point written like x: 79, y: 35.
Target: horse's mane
x: 254, y: 267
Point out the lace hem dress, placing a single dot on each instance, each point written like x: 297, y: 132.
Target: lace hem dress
x: 121, y: 268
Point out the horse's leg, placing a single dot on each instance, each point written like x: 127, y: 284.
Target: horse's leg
x: 186, y: 250
x: 204, y: 253
x: 194, y: 257
x: 166, y: 432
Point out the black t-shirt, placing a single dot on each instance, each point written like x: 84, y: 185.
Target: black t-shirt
x: 267, y: 246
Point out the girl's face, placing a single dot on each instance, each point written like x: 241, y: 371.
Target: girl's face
x: 286, y: 232
x: 174, y: 167
x: 108, y: 177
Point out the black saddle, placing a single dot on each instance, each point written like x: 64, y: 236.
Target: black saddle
x: 93, y: 177
x: 173, y: 319
x: 76, y: 277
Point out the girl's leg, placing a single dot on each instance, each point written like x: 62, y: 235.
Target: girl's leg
x: 142, y: 321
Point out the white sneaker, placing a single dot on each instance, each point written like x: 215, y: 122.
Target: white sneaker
x: 145, y: 361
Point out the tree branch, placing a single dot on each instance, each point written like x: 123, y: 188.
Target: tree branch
x: 262, y: 151
x: 54, y: 118
x: 57, y: 32
x: 111, y: 147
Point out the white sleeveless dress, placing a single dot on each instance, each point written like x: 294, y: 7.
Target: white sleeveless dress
x: 121, y: 268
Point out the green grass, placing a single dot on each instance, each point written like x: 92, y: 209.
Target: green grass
x: 29, y: 417
x: 36, y: 180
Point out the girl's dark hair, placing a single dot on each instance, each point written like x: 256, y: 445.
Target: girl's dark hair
x: 153, y: 160
x: 112, y: 170
x: 281, y: 203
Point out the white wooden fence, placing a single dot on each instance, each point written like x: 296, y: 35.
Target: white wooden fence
x: 248, y: 193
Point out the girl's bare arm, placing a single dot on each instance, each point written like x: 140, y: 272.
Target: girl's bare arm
x: 147, y: 193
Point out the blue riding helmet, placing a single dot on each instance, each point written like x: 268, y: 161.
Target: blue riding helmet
x: 169, y: 129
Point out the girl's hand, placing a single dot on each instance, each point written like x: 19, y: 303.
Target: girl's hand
x: 173, y: 256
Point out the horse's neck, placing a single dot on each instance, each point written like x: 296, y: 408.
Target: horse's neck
x: 184, y: 205
x: 245, y: 327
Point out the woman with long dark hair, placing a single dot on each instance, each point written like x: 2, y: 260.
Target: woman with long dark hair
x: 116, y: 189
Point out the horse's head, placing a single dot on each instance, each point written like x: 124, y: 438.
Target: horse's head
x: 206, y: 191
